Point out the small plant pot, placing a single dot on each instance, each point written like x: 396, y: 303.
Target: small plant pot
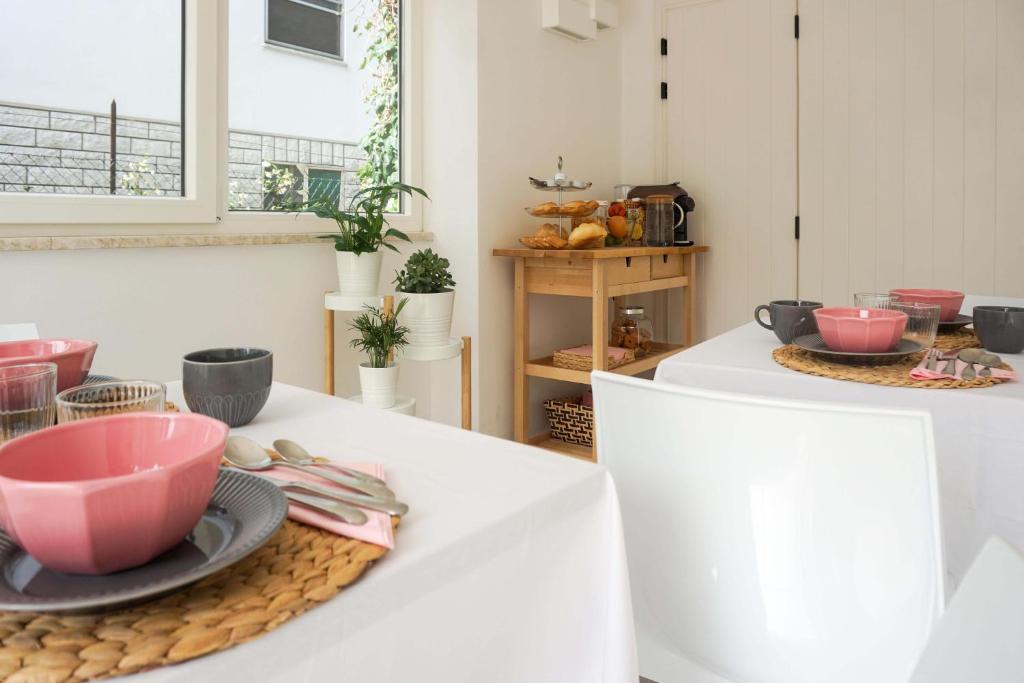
x: 379, y: 385
x: 428, y: 317
x: 358, y: 274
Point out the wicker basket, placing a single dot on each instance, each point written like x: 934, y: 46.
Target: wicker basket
x: 570, y: 421
x: 576, y: 361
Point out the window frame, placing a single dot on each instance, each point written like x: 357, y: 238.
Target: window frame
x: 342, y: 43
x: 204, y: 209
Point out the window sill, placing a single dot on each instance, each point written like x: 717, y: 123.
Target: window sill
x: 68, y: 243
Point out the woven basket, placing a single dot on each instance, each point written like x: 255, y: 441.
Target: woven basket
x: 575, y: 361
x: 570, y: 421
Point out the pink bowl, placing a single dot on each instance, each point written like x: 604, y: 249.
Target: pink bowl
x: 104, y: 494
x: 949, y: 300
x: 860, y: 330
x: 72, y: 356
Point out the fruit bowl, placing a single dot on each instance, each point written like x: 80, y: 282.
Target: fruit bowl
x: 72, y: 356
x: 860, y: 330
x: 105, y: 494
x: 949, y: 300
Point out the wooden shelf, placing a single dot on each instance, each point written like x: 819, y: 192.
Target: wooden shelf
x: 545, y: 440
x: 544, y: 367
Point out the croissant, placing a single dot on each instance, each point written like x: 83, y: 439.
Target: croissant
x: 587, y: 236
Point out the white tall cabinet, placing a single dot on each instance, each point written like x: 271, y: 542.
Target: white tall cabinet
x: 893, y: 128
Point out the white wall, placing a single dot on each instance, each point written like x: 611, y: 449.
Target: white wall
x: 69, y: 54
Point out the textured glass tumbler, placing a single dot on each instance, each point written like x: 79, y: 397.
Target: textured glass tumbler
x: 922, y: 322
x: 26, y: 398
x: 109, y: 398
x: 874, y: 300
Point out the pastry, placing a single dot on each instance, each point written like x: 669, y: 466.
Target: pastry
x: 545, y: 209
x: 587, y: 236
x: 547, y: 229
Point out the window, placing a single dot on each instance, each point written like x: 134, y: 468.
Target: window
x: 91, y: 103
x: 314, y: 26
x: 327, y: 131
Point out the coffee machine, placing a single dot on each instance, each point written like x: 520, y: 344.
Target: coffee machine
x: 682, y: 204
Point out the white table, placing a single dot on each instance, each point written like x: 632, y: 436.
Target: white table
x: 510, y: 565
x: 979, y: 433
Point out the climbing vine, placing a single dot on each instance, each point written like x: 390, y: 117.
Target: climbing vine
x: 381, y: 143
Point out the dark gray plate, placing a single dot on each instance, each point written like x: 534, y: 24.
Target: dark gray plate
x: 956, y: 323
x: 243, y: 514
x: 816, y: 345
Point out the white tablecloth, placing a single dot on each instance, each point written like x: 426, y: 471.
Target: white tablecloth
x: 510, y: 565
x: 979, y: 433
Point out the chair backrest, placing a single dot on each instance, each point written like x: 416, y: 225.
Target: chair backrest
x: 773, y: 540
x: 981, y: 635
x: 18, y: 331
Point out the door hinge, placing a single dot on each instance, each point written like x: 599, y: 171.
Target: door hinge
x: 796, y: 26
x: 664, y: 46
x: 796, y: 227
x: 664, y: 90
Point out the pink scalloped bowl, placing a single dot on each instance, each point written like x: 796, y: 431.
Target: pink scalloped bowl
x: 949, y: 300
x: 72, y: 356
x: 108, y: 493
x: 860, y: 330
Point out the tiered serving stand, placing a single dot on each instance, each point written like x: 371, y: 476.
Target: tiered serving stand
x: 562, y: 184
x: 405, y: 405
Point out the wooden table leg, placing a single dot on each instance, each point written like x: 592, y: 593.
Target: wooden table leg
x: 522, y: 347
x: 599, y: 300
x: 329, y: 351
x: 389, y: 306
x: 689, y: 298
x: 467, y: 383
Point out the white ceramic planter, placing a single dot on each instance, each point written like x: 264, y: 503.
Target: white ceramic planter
x: 379, y: 385
x: 358, y: 274
x: 428, y: 317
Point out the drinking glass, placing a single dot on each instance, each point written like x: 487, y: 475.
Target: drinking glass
x: 26, y: 398
x: 109, y: 398
x: 922, y: 321
x: 874, y: 300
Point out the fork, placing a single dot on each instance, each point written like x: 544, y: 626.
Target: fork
x: 932, y: 360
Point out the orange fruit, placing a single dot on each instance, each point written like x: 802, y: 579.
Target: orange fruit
x: 618, y: 226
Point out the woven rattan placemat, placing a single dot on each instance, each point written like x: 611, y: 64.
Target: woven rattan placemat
x: 961, y: 339
x: 894, y: 375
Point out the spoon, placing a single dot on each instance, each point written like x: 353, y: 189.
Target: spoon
x: 345, y: 513
x: 296, y: 454
x: 392, y: 507
x: 246, y: 454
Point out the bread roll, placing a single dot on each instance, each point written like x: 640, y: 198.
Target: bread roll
x: 587, y: 236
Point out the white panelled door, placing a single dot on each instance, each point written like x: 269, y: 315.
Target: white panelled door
x: 730, y: 140
x: 911, y: 146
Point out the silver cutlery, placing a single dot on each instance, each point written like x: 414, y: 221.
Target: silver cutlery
x: 968, y: 374
x: 246, y: 454
x: 392, y: 507
x: 345, y: 513
x: 933, y: 359
x: 950, y: 367
x: 297, y: 455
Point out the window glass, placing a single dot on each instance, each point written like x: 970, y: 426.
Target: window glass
x: 303, y: 127
x: 91, y: 97
x: 313, y: 25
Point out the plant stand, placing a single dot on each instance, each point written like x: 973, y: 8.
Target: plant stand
x: 406, y: 405
x: 598, y: 275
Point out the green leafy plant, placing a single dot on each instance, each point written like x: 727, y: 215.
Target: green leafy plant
x: 425, y: 273
x: 363, y: 226
x: 381, y: 142
x: 379, y: 332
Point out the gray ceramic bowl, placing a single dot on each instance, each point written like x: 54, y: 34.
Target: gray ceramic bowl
x: 1000, y: 328
x: 231, y: 385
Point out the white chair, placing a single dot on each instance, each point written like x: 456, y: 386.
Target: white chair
x: 981, y: 636
x: 18, y: 331
x: 772, y: 541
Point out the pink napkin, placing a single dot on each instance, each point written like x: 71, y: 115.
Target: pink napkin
x: 377, y: 530
x: 921, y: 372
x: 615, y: 352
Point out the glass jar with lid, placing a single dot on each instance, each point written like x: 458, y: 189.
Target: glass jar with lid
x: 632, y: 330
x: 660, y: 228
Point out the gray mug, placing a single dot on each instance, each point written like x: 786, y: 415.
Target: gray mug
x: 1000, y: 328
x: 789, y: 318
x: 229, y: 384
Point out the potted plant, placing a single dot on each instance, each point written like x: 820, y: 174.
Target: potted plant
x: 379, y: 332
x: 427, y: 284
x: 362, y: 231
